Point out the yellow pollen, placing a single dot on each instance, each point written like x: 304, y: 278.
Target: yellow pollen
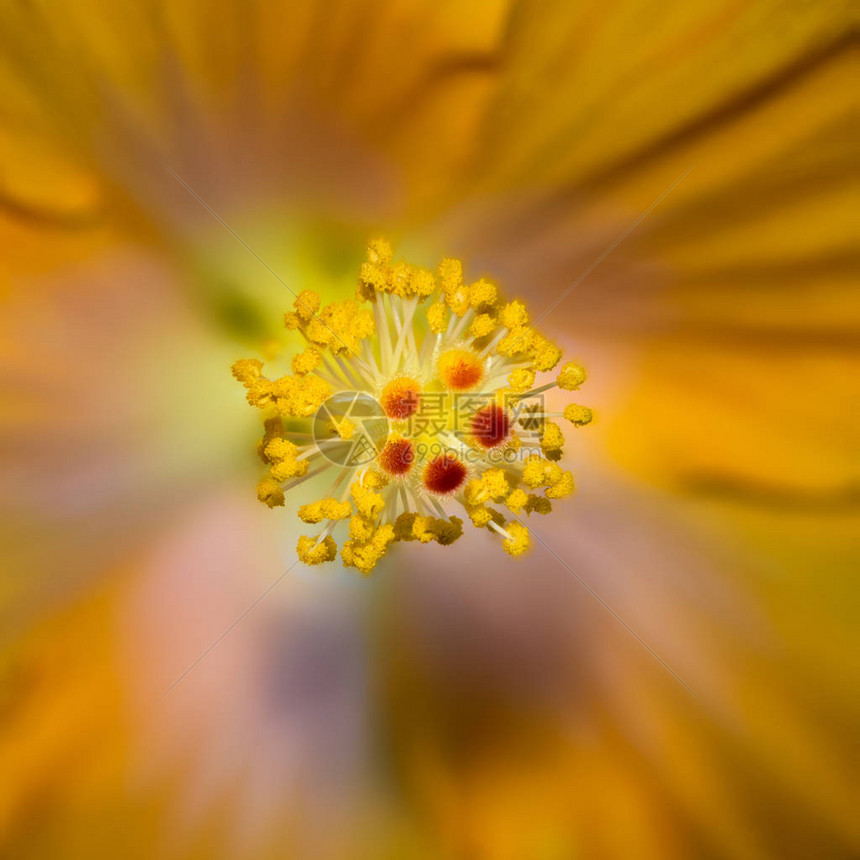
x: 571, y: 376
x: 578, y: 415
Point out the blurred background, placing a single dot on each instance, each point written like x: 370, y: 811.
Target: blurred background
x: 165, y: 168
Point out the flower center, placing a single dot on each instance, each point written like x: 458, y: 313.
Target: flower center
x: 460, y: 369
x: 397, y: 457
x: 444, y: 474
x: 400, y: 398
x: 491, y: 426
x: 387, y: 391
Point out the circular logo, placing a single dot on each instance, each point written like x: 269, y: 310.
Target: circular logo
x: 350, y: 428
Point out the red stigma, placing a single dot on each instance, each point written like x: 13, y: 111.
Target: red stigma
x: 444, y: 474
x: 397, y: 456
x: 491, y: 426
x: 460, y: 369
x: 400, y: 398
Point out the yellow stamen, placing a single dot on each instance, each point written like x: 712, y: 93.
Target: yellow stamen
x: 579, y: 416
x: 518, y: 542
x: 571, y: 376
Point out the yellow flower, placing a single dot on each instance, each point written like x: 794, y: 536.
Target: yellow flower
x: 668, y: 189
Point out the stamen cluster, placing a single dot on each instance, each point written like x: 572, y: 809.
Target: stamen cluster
x: 412, y: 338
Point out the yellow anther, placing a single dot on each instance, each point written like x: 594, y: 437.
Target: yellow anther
x: 519, y: 540
x: 332, y: 509
x: 422, y: 529
x: 287, y: 469
x: 247, y: 371
x: 282, y: 454
x: 538, y: 472
x: 319, y: 332
x: 272, y: 429
x: 578, y: 415
x: 521, y: 380
x: 561, y: 487
x: 384, y: 536
x: 400, y: 280
x: 410, y: 527
x: 311, y: 513
x: 456, y: 294
x: 306, y: 361
x: 552, y: 473
x: 306, y: 305
x: 517, y: 500
x: 482, y: 325
x: 324, y: 509
x: 300, y: 397
x: 513, y: 315
x: 533, y: 471
x: 475, y: 493
x: 364, y: 555
x: 437, y: 317
x: 483, y: 294
x: 379, y: 251
x: 480, y: 515
x: 373, y: 480
x: 551, y: 440
x: 360, y: 327
x: 372, y: 279
x: 518, y: 341
x: 571, y: 376
x: 370, y: 504
x: 280, y: 449
x: 367, y: 503
x: 423, y: 282
x: 261, y: 393
x: 458, y: 300
x: 311, y: 552
x: 361, y: 529
x: 340, y: 326
x: 545, y: 354
x: 270, y: 492
x: 292, y: 321
x: 496, y: 484
x: 451, y: 274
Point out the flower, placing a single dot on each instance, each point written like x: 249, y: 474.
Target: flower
x: 459, y: 708
x: 422, y: 341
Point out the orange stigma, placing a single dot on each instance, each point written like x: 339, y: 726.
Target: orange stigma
x: 444, y: 474
x: 400, y: 398
x: 397, y: 457
x: 460, y: 369
x: 491, y: 426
